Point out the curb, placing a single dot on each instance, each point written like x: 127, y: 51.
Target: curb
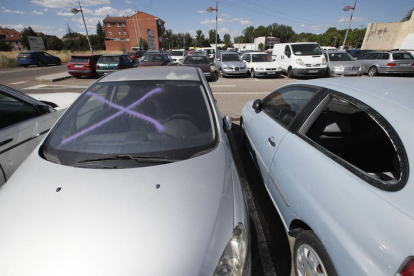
x: 53, y: 77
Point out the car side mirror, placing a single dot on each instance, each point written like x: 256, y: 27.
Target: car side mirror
x: 257, y: 105
x: 227, y: 123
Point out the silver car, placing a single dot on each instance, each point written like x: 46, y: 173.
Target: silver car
x: 136, y: 178
x: 376, y: 63
x: 230, y: 64
x: 340, y: 63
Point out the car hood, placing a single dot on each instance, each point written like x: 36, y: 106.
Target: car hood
x: 62, y: 100
x: 116, y: 221
x: 151, y: 63
x: 234, y: 63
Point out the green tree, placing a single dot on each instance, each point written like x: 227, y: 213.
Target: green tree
x: 168, y: 35
x: 81, y: 44
x: 143, y: 44
x: 261, y: 46
x: 211, y: 37
x: 248, y: 34
x: 199, y: 38
x: 408, y: 16
x: 261, y: 31
x: 100, y: 33
x: 4, y: 46
x: 69, y: 44
x: 188, y: 39
x: 25, y: 36
x: 54, y: 43
x: 227, y: 41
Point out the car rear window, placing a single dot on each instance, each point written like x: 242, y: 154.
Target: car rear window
x: 159, y: 119
x: 196, y: 60
x: 24, y: 55
x: 109, y: 59
x: 402, y: 56
x: 79, y: 60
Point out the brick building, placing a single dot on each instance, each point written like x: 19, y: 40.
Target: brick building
x: 125, y: 32
x: 12, y: 37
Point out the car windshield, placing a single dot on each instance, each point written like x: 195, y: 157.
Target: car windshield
x: 402, y: 56
x: 177, y: 53
x: 154, y: 58
x: 109, y: 60
x: 261, y: 58
x: 306, y: 49
x: 196, y: 60
x: 230, y: 57
x: 340, y: 57
x: 141, y: 119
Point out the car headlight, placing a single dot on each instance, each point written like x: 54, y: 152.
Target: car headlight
x: 323, y: 61
x: 226, y: 67
x: 259, y: 69
x: 300, y: 62
x: 234, y: 256
x: 338, y: 68
x: 244, y: 67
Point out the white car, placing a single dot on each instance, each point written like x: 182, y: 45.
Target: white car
x: 24, y: 121
x: 178, y: 55
x: 261, y: 64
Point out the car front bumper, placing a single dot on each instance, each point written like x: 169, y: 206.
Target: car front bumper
x: 267, y: 72
x: 309, y: 71
x: 240, y: 72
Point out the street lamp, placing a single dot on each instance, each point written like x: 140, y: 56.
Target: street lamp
x: 210, y: 9
x: 75, y: 11
x: 347, y: 8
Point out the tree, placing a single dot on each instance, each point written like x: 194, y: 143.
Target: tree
x: 25, y: 36
x: 168, y: 35
x: 261, y: 46
x: 211, y: 37
x: 54, y: 43
x: 199, y: 38
x: 81, y: 44
x: 143, y: 44
x: 69, y: 44
x: 248, y: 34
x: 227, y: 41
x: 70, y: 33
x: 100, y: 33
x: 408, y: 16
x: 4, y: 46
x: 261, y: 31
x: 188, y: 40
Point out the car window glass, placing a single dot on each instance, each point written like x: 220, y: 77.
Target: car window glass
x: 109, y: 60
x: 287, y: 50
x: 13, y: 111
x: 402, y: 56
x: 383, y: 56
x: 129, y: 59
x: 283, y: 105
x: 350, y: 133
x: 47, y: 54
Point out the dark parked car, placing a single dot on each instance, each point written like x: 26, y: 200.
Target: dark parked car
x: 135, y: 55
x: 356, y: 53
x: 156, y: 59
x: 201, y: 62
x: 82, y: 65
x: 37, y: 58
x: 111, y: 63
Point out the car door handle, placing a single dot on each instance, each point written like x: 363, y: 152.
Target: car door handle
x: 2, y: 143
x: 271, y: 141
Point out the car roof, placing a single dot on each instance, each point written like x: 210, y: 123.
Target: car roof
x: 228, y: 52
x: 154, y: 73
x: 379, y: 90
x: 86, y: 55
x: 334, y: 52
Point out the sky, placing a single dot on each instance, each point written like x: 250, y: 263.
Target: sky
x: 315, y: 16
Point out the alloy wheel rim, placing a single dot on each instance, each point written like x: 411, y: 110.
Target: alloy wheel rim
x: 308, y: 262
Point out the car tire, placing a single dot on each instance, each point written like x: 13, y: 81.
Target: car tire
x: 310, y: 256
x: 59, y: 62
x: 252, y: 75
x: 40, y: 64
x: 78, y: 77
x: 290, y: 73
x: 25, y: 65
x: 372, y: 71
x: 328, y: 73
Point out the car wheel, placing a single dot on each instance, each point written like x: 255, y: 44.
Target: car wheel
x: 373, y: 71
x: 78, y: 77
x: 310, y: 256
x: 25, y: 65
x: 252, y: 74
x: 328, y: 73
x: 40, y: 64
x: 221, y: 73
x: 59, y: 62
x: 290, y: 73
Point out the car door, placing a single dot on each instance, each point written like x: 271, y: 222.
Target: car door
x: 266, y: 128
x: 22, y: 126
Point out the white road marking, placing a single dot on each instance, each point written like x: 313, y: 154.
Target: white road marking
x: 238, y: 93
x: 47, y: 86
x: 19, y: 82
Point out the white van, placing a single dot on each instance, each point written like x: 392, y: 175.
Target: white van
x: 210, y: 52
x: 300, y: 59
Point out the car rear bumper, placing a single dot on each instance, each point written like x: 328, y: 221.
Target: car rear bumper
x: 27, y: 62
x: 396, y: 70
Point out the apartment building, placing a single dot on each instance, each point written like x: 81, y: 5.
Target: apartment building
x: 125, y: 32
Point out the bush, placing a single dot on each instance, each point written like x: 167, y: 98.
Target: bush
x: 8, y: 62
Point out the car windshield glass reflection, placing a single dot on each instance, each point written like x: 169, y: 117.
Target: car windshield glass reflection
x: 306, y: 49
x: 230, y: 57
x: 261, y: 58
x: 155, y: 58
x: 168, y: 120
x: 340, y: 57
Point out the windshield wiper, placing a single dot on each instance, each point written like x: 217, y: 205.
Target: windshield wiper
x: 139, y: 159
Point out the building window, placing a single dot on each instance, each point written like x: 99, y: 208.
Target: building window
x: 119, y: 33
x: 117, y: 24
x: 110, y: 33
x: 108, y: 25
x: 123, y: 25
x: 125, y: 33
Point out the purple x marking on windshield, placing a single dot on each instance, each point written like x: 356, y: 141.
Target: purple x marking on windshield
x: 122, y: 110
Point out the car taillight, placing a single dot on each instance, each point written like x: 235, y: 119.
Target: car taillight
x: 412, y: 64
x: 391, y: 64
x: 88, y: 66
x: 120, y: 67
x: 408, y: 269
x: 68, y: 64
x: 97, y: 67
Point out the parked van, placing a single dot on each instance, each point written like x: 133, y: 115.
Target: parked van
x: 300, y: 59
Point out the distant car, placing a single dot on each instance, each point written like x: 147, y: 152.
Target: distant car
x: 201, y: 62
x: 261, y: 64
x: 340, y: 63
x: 199, y: 53
x: 136, y: 178
x: 336, y: 157
x: 230, y: 64
x: 37, y: 58
x: 82, y: 65
x: 241, y: 53
x: 356, y: 52
x: 111, y: 63
x: 135, y: 55
x: 156, y: 59
x: 376, y: 63
x: 24, y: 121
x: 178, y: 55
